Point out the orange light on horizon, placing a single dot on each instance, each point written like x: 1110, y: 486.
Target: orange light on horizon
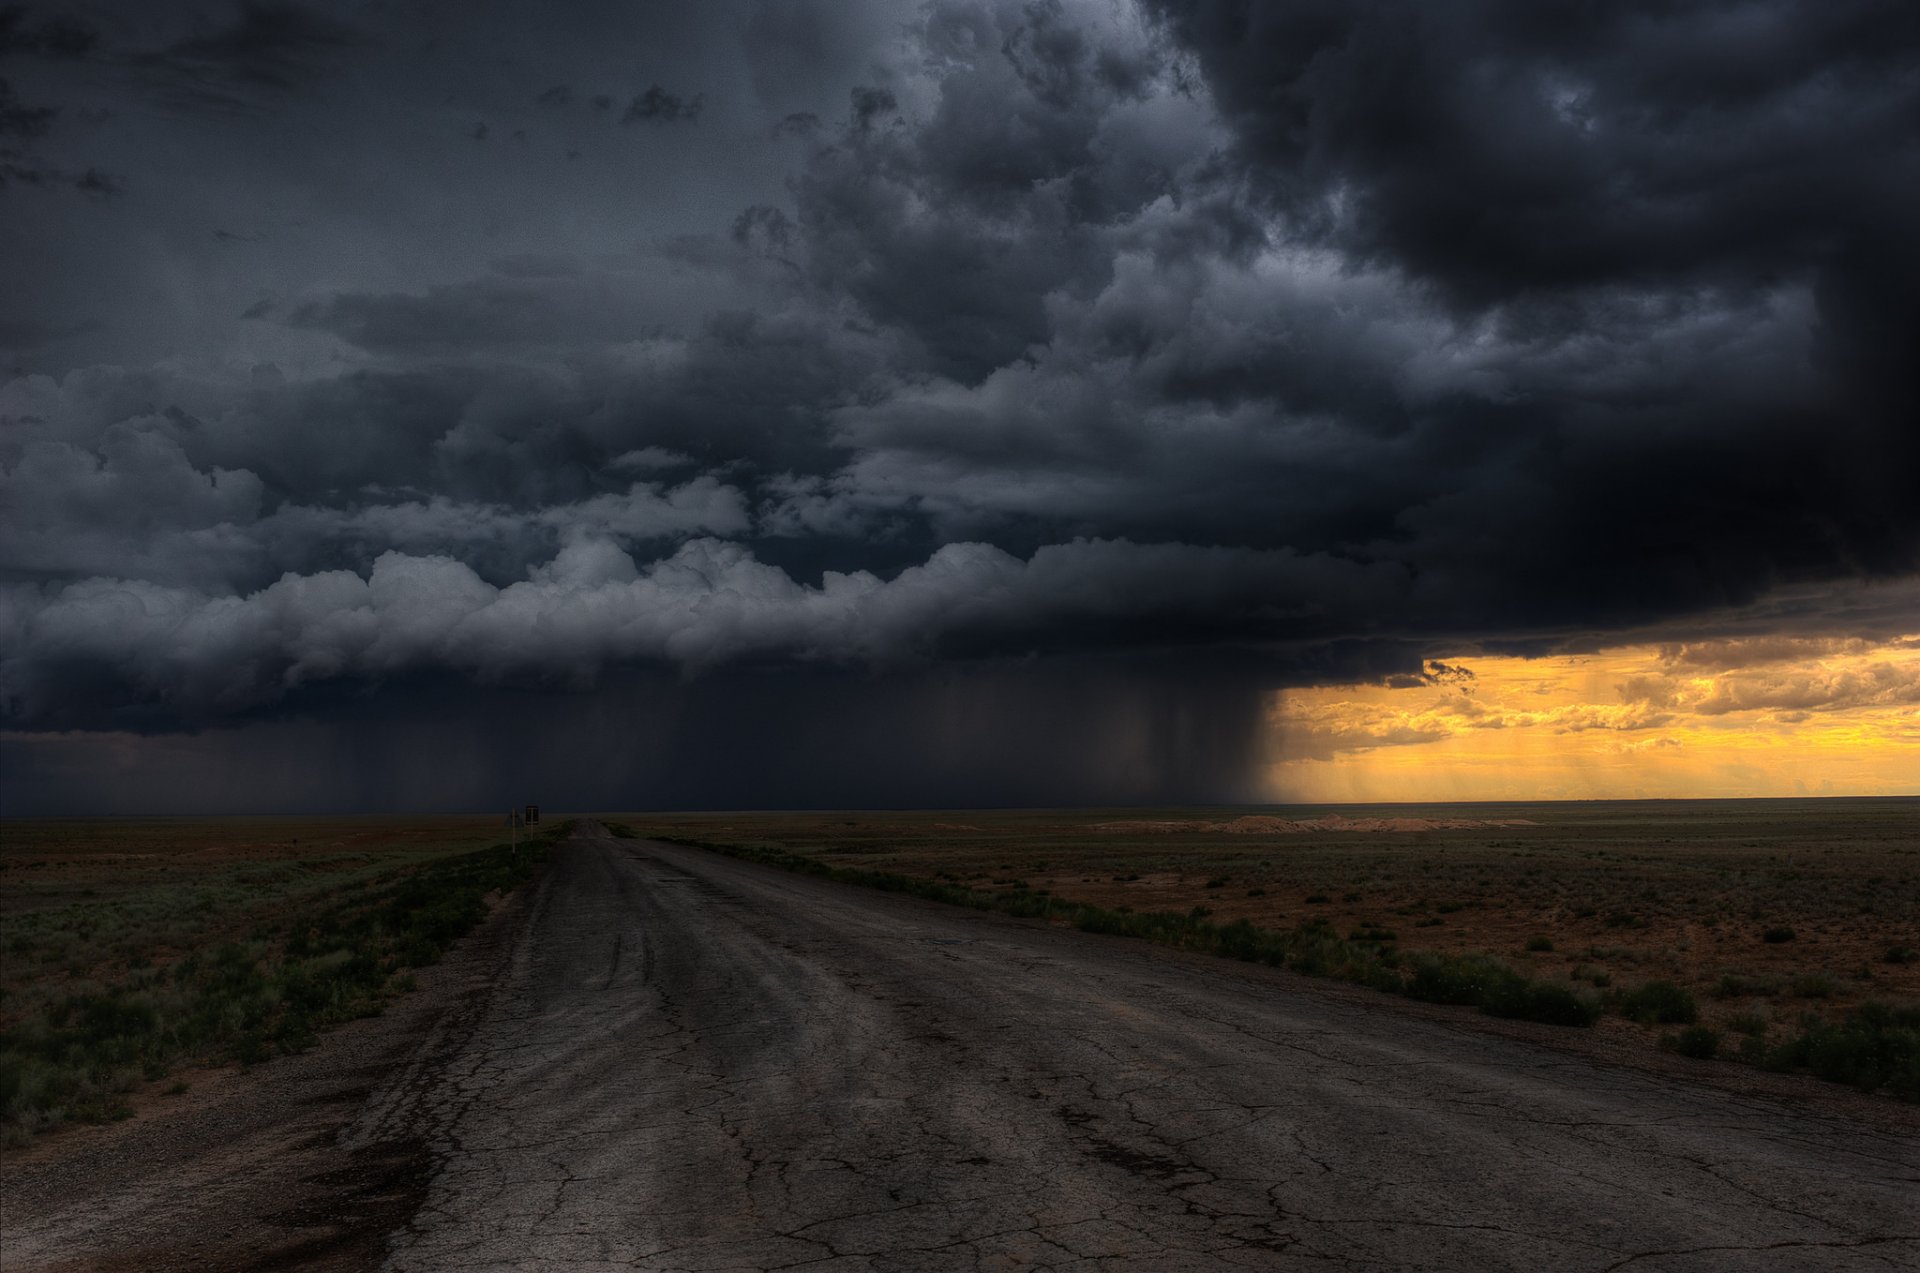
x: 1736, y: 718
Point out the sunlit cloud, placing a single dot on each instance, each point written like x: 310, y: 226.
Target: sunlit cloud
x: 1770, y: 717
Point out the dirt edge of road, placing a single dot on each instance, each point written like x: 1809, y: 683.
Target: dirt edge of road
x: 273, y: 1167
x: 1608, y: 1042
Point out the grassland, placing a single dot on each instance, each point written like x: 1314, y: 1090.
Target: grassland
x: 131, y: 948
x: 1783, y: 933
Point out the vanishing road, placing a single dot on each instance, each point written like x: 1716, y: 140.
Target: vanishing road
x: 697, y: 1063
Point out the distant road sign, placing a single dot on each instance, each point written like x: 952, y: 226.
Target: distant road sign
x: 533, y: 814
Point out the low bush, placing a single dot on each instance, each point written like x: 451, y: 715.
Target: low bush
x: 1777, y: 935
x: 1484, y: 982
x: 1737, y: 985
x: 1695, y: 1041
x: 1874, y: 1047
x: 1658, y: 1003
x: 1539, y: 944
x: 248, y: 1000
x: 1814, y: 985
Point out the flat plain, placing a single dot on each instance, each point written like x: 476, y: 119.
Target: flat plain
x: 1768, y: 913
x: 130, y: 948
x: 667, y: 1058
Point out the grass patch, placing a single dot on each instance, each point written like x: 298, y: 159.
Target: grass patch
x: 1696, y: 1041
x: 1813, y: 985
x: 247, y: 1000
x: 1874, y: 1047
x: 1739, y: 985
x: 1658, y: 1003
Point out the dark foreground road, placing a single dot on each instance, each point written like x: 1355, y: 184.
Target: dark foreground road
x: 700, y: 1064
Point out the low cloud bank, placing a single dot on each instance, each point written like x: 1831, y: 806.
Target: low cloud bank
x: 592, y: 607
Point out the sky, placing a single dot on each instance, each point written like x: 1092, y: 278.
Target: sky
x: 408, y: 404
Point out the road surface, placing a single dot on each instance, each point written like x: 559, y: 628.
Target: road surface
x: 695, y: 1063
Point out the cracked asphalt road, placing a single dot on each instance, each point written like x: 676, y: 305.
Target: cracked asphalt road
x: 697, y: 1063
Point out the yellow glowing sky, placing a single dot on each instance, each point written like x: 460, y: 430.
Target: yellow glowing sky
x: 1765, y: 717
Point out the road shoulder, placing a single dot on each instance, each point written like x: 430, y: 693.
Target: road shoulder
x: 270, y: 1167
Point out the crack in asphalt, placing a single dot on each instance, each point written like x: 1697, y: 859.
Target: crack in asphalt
x: 697, y: 1064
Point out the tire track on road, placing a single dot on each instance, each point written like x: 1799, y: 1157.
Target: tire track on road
x: 793, y: 1073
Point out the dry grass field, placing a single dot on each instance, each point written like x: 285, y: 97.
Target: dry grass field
x: 1763, y: 912
x: 131, y: 946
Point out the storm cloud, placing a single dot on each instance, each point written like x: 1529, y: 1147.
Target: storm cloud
x: 1221, y: 346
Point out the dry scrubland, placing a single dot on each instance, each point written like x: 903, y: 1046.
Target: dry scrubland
x: 131, y: 948
x: 1761, y: 930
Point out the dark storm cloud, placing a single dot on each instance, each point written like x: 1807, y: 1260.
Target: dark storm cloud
x: 798, y: 124
x: 1085, y: 730
x: 56, y: 35
x: 1504, y: 148
x: 263, y: 53
x: 658, y: 106
x: 1260, y: 344
x: 25, y: 37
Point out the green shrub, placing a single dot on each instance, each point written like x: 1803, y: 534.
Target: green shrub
x: 1777, y: 935
x: 1695, y: 1041
x: 246, y: 1001
x: 1875, y: 1046
x: 1539, y: 944
x: 1814, y: 985
x: 1659, y: 1003
x: 1901, y: 955
x: 1542, y: 1001
x: 1497, y: 990
x: 1736, y: 985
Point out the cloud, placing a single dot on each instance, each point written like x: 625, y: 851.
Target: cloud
x: 592, y: 607
x: 1324, y: 342
x: 265, y: 54
x: 657, y: 106
x: 1782, y: 675
x: 1469, y: 142
x: 25, y: 125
